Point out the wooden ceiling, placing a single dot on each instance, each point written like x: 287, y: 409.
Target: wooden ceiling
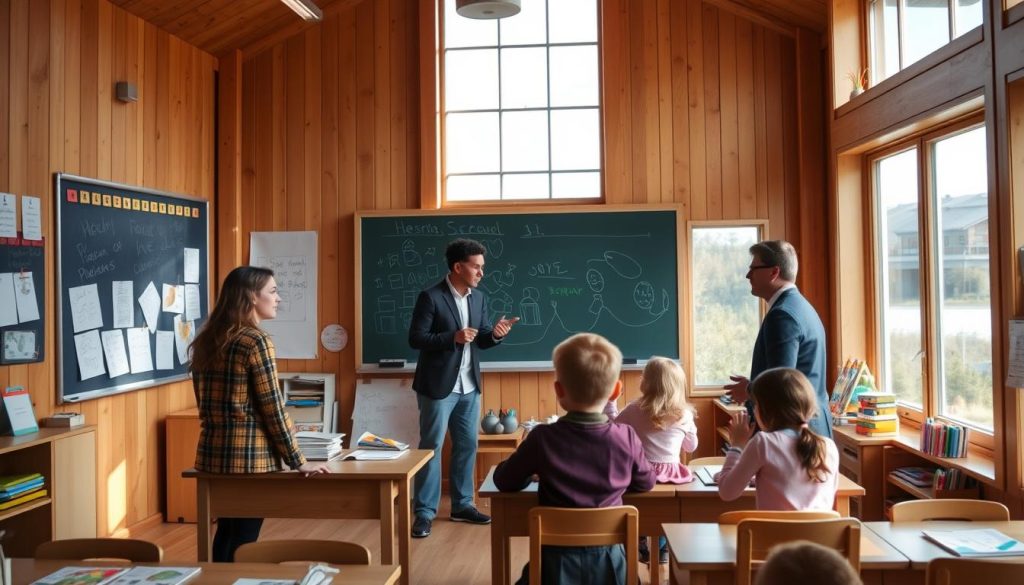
x: 216, y: 26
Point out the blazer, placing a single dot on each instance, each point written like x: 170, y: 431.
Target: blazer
x: 792, y: 336
x: 435, y: 321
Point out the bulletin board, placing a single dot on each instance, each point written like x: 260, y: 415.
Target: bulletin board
x: 23, y: 273
x: 133, y: 282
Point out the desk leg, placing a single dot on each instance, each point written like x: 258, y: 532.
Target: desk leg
x: 655, y: 556
x: 404, y: 530
x: 843, y: 506
x: 203, y: 520
x: 499, y: 544
x: 387, y: 522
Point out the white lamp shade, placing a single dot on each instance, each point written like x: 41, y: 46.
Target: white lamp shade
x: 486, y: 9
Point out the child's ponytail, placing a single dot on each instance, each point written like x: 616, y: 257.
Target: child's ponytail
x: 811, y: 450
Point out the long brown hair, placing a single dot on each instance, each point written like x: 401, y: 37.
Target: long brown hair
x: 233, y: 312
x: 785, y: 400
x: 663, y: 392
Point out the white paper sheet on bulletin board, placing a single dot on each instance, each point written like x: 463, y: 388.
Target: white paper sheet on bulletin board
x: 293, y: 258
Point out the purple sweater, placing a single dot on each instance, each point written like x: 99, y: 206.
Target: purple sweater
x: 583, y: 461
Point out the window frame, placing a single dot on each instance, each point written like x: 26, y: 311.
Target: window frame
x: 713, y: 391
x: 924, y: 142
x: 439, y: 145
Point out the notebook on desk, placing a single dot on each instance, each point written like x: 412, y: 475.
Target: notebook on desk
x: 707, y: 473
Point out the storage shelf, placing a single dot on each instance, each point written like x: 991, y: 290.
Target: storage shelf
x: 930, y: 493
x: 12, y: 512
x: 724, y: 433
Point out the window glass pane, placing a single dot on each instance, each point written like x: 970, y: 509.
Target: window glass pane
x: 524, y: 144
x: 574, y: 76
x: 925, y: 28
x: 725, y: 315
x: 900, y: 271
x: 529, y: 27
x: 575, y: 185
x: 575, y: 139
x: 572, y: 21
x: 524, y: 78
x: 471, y: 79
x: 460, y: 31
x: 885, y: 39
x: 962, y: 277
x: 532, y: 186
x: 968, y: 15
x: 473, y: 187
x: 472, y: 143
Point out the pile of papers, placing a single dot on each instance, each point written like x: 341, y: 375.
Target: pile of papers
x: 319, y: 446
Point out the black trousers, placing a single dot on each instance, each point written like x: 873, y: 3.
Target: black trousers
x: 233, y: 533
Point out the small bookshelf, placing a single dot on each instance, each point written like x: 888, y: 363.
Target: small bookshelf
x: 895, y: 457
x: 310, y: 400
x: 722, y: 415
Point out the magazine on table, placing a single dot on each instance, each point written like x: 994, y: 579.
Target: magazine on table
x: 81, y: 576
x: 155, y: 576
x: 982, y: 542
x: 371, y: 441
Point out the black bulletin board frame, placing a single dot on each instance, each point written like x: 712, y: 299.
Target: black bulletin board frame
x: 70, y: 387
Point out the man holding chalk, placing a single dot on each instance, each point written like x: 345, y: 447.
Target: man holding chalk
x: 449, y: 324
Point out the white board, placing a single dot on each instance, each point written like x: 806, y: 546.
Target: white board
x: 293, y: 258
x: 387, y: 408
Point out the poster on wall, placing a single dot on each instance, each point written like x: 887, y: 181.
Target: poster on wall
x: 293, y: 258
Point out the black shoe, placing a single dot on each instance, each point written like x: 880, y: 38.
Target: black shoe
x: 471, y: 515
x: 421, y: 527
x: 663, y: 556
x: 645, y: 553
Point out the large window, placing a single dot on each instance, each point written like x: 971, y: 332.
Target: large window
x: 724, y: 314
x: 901, y: 32
x: 934, y: 298
x: 521, y: 104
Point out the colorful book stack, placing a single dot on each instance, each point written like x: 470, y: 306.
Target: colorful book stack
x: 19, y: 489
x: 854, y: 379
x: 952, y: 479
x: 877, y: 414
x: 943, y: 439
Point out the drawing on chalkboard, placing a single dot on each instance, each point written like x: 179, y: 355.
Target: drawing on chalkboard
x: 409, y: 254
x: 623, y: 265
x: 643, y: 294
x: 495, y: 248
x: 529, y: 309
x: 595, y: 280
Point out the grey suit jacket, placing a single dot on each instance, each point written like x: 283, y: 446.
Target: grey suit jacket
x: 792, y: 336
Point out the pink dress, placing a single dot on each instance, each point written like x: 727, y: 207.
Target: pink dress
x: 661, y: 446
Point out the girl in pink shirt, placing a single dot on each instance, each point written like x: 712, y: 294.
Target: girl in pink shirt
x: 663, y: 421
x: 794, y: 468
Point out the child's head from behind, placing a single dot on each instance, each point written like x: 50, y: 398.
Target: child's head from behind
x: 663, y: 391
x: 587, y: 368
x: 783, y: 398
x: 805, y: 562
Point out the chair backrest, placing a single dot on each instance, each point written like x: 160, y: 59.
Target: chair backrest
x: 734, y: 516
x: 949, y: 509
x: 584, y: 527
x: 706, y: 461
x: 285, y: 551
x: 82, y: 549
x: 755, y: 537
x: 951, y: 571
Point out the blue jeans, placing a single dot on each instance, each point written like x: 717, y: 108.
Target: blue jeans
x: 457, y: 414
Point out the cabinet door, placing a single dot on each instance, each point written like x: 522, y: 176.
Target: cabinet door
x: 74, y: 486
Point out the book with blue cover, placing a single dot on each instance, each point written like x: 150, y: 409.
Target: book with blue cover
x: 983, y: 542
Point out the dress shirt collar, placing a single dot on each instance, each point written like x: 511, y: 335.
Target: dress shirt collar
x: 779, y: 292
x: 455, y: 292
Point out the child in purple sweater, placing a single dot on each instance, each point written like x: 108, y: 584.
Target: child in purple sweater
x: 583, y: 460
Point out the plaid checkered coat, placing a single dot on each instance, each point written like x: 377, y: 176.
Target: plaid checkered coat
x: 245, y: 428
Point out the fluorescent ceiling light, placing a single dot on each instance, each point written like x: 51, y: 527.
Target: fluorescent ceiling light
x: 305, y: 8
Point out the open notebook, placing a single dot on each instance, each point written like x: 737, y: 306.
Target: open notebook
x: 707, y: 473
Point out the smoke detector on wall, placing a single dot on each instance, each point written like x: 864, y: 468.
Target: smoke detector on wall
x: 487, y: 9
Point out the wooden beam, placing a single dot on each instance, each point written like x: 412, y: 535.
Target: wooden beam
x: 755, y: 16
x: 430, y: 105
x: 228, y: 204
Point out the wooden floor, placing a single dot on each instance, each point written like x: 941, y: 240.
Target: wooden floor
x: 453, y: 553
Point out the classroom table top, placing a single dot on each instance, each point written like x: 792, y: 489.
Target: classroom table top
x: 405, y: 466
x: 907, y: 537
x: 25, y: 571
x: 712, y: 547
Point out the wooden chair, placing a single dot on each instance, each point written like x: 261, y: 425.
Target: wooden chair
x: 584, y: 527
x: 734, y: 516
x: 82, y: 549
x: 951, y: 509
x: 756, y: 537
x: 334, y: 552
x: 952, y: 571
x: 706, y: 461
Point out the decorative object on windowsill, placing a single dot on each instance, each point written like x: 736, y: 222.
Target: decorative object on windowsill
x: 503, y: 423
x: 488, y: 423
x: 487, y: 9
x: 859, y: 81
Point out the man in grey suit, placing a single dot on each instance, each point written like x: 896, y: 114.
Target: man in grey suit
x: 450, y: 323
x: 791, y: 334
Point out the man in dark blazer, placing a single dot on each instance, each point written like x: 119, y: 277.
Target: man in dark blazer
x: 791, y: 334
x: 449, y: 326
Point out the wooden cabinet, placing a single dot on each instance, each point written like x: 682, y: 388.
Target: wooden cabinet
x: 67, y: 459
x: 860, y: 459
x: 723, y: 413
x: 182, y: 439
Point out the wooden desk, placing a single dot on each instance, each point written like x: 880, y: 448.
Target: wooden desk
x: 182, y: 432
x: 495, y: 444
x: 352, y: 490
x: 701, y: 503
x: 708, y: 552
x: 510, y: 517
x: 906, y: 536
x: 25, y: 571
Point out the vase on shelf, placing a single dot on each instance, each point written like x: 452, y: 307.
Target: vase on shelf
x: 856, y: 92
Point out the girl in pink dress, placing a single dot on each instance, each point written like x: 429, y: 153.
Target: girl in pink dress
x: 664, y: 422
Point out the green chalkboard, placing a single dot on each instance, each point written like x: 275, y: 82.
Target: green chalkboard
x: 613, y: 272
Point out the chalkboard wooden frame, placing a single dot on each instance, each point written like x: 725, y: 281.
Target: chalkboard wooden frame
x: 516, y: 366
x: 70, y: 389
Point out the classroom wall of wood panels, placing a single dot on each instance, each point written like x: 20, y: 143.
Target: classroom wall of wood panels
x: 59, y: 60
x: 701, y: 111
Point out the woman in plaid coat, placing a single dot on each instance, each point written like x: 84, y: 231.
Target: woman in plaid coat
x: 245, y: 428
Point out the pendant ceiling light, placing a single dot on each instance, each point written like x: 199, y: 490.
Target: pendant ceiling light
x: 487, y: 9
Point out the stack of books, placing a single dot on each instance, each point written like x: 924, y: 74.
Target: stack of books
x: 19, y: 489
x: 953, y: 479
x: 371, y: 441
x: 319, y: 446
x: 916, y: 476
x: 876, y: 416
x: 854, y: 374
x: 943, y: 439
